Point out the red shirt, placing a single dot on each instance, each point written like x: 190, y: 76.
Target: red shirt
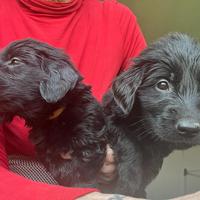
x: 99, y: 36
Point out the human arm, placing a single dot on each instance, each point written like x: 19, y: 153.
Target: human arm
x: 13, y: 186
x: 16, y: 187
x: 100, y: 196
x: 133, y: 39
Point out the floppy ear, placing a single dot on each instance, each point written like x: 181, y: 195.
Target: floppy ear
x: 125, y: 86
x: 60, y: 80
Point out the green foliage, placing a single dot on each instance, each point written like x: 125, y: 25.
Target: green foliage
x: 158, y: 17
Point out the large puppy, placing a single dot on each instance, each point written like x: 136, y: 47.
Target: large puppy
x: 154, y: 108
x: 40, y: 84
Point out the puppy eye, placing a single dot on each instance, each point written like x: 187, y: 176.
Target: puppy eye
x: 14, y: 61
x: 163, y: 85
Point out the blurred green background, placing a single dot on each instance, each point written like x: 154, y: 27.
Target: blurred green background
x: 158, y: 17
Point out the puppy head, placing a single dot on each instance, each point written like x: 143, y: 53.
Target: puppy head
x: 32, y: 71
x: 165, y: 81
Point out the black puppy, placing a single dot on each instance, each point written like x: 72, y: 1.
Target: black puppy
x: 153, y: 108
x: 39, y: 83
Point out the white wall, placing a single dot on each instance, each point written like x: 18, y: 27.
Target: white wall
x: 171, y: 181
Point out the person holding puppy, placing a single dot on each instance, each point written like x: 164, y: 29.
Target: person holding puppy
x: 100, y: 37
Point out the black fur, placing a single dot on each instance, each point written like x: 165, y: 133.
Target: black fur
x: 36, y: 79
x: 153, y: 108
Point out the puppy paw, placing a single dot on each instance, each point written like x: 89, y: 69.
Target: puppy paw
x: 66, y: 155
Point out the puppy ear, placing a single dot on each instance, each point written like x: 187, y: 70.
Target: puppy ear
x: 125, y: 87
x: 60, y: 80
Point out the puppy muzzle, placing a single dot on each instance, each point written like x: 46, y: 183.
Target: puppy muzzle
x: 188, y: 127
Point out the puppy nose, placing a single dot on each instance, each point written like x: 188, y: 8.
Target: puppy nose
x: 188, y: 127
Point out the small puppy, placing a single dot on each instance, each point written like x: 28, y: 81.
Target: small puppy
x: 153, y: 108
x: 39, y: 83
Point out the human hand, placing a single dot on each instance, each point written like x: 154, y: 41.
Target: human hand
x: 101, y: 196
x: 108, y: 171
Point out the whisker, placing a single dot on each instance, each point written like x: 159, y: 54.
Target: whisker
x: 145, y: 133
x: 137, y: 122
